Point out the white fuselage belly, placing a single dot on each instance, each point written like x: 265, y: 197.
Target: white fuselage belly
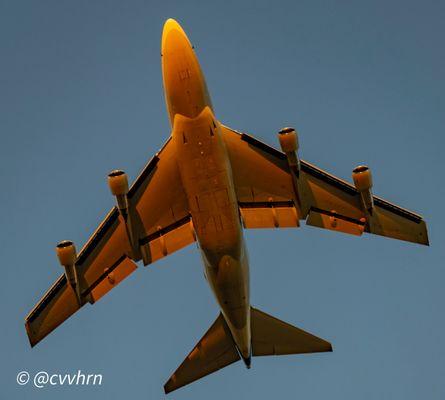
x: 207, y: 179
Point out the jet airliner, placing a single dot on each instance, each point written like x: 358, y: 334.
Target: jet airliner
x: 207, y: 184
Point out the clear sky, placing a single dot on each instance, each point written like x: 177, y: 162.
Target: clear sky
x: 81, y: 94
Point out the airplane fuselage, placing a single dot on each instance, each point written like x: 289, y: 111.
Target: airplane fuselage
x: 206, y: 175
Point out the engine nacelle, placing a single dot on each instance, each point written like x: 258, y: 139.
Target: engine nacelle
x: 66, y: 252
x: 288, y: 138
x: 118, y: 183
x: 362, y: 178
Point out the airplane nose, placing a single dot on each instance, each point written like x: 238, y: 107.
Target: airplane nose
x: 173, y: 36
x: 184, y: 84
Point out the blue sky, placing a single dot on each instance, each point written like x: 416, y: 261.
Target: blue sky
x: 81, y: 94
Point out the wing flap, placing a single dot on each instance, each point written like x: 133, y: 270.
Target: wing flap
x: 112, y: 276
x: 335, y: 222
x: 214, y: 351
x: 269, y: 215
x: 389, y: 221
x: 168, y: 240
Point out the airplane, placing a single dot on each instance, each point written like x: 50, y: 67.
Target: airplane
x: 206, y: 185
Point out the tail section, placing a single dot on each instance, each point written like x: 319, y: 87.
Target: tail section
x: 214, y: 351
x: 270, y: 336
x: 217, y: 349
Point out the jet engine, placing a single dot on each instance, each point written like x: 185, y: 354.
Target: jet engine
x: 118, y: 183
x: 66, y: 252
x: 362, y: 178
x: 288, y: 138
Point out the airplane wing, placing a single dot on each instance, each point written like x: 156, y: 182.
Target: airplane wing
x: 162, y: 225
x: 267, y: 199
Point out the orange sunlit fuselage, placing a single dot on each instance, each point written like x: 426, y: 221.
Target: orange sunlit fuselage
x: 207, y: 179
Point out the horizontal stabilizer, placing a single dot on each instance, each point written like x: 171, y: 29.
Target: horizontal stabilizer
x: 214, y: 351
x: 270, y: 336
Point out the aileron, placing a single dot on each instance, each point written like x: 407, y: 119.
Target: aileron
x: 167, y: 240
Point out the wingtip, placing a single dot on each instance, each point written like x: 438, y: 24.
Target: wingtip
x: 427, y: 240
x: 32, y: 342
x: 167, y: 390
x: 170, y: 386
